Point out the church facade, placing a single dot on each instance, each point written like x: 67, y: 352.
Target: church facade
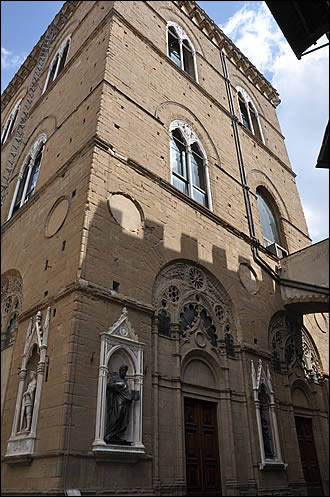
x: 146, y: 345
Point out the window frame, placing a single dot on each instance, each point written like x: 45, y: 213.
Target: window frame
x: 28, y: 165
x: 264, y: 198
x: 57, y: 62
x: 182, y: 36
x: 190, y: 138
x: 10, y: 122
x: 247, y: 102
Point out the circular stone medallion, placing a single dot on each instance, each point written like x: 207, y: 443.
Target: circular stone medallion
x: 125, y: 211
x: 321, y: 322
x: 248, y: 278
x: 57, y: 216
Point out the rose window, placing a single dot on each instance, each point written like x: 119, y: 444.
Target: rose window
x: 196, y: 278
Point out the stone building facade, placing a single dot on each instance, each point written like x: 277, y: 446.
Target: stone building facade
x: 134, y: 231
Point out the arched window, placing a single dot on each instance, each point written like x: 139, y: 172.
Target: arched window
x: 181, y: 50
x: 249, y: 114
x: 57, y: 63
x: 189, y: 163
x: 28, y: 175
x: 269, y: 225
x: 10, y: 123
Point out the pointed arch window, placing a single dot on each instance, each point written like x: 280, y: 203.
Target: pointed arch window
x: 58, y: 62
x: 28, y: 175
x: 249, y: 114
x: 189, y: 164
x: 181, y: 50
x: 10, y: 123
x: 268, y: 221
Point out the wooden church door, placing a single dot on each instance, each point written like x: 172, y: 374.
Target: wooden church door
x: 308, y: 456
x: 202, y: 450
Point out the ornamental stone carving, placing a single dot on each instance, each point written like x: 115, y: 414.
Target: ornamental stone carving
x: 11, y: 306
x: 292, y: 347
x: 189, y: 295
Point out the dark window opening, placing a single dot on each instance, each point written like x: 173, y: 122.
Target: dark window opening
x: 244, y: 112
x: 115, y: 286
x: 63, y: 58
x: 174, y: 46
x: 255, y: 123
x: 164, y: 323
x: 268, y: 221
x: 188, y: 59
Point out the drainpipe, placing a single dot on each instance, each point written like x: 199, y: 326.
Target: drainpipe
x: 246, y: 192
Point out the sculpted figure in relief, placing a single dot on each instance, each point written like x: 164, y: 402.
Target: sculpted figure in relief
x: 119, y: 400
x: 28, y: 401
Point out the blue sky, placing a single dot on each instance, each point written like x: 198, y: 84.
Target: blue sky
x: 303, y: 85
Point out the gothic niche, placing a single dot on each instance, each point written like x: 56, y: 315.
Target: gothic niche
x: 11, y: 305
x: 31, y: 377
x: 119, y: 400
x: 264, y: 401
x: 292, y: 347
x: 193, y: 298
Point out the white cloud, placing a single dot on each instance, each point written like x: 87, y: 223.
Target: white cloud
x: 304, y: 92
x: 9, y: 60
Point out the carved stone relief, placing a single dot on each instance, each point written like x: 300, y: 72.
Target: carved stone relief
x: 292, y: 347
x: 11, y: 306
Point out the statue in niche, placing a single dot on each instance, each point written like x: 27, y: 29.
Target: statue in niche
x: 119, y: 400
x: 266, y: 434
x: 28, y: 401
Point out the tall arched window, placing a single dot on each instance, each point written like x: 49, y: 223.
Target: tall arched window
x: 189, y: 163
x: 269, y: 225
x: 181, y: 50
x: 249, y: 114
x: 10, y: 123
x: 58, y: 62
x: 28, y: 175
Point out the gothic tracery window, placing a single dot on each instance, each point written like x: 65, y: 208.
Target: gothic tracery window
x: 189, y: 163
x: 186, y: 296
x: 180, y: 49
x: 57, y: 63
x: 10, y: 122
x: 292, y: 347
x: 28, y: 175
x: 249, y: 114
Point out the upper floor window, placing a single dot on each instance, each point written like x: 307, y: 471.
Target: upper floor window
x: 57, y: 63
x: 181, y: 50
x: 249, y: 114
x: 189, y: 163
x: 269, y: 225
x: 28, y: 175
x: 10, y: 123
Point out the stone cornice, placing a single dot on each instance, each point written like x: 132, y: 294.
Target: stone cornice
x: 31, y: 60
x: 217, y: 36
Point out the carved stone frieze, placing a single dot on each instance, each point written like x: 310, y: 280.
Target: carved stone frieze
x: 11, y: 306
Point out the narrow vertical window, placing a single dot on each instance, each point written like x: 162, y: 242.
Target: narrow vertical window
x: 268, y: 222
x: 174, y: 46
x: 244, y: 112
x: 10, y: 123
x: 188, y: 59
x: 63, y: 58
x: 198, y: 175
x: 179, y: 162
x: 255, y: 123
